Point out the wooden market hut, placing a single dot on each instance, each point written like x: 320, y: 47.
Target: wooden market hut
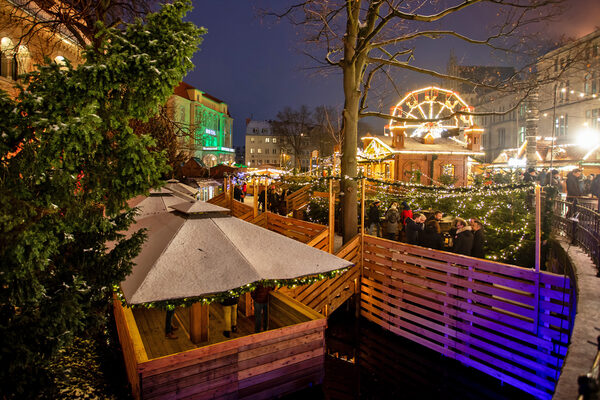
x: 419, y: 160
x: 195, y: 249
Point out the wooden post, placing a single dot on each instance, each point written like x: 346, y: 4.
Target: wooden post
x: 538, y: 228
x: 224, y: 185
x: 362, y: 208
x: 331, y: 217
x: 255, y: 197
x: 266, y: 196
x: 231, y: 195
x: 199, y: 323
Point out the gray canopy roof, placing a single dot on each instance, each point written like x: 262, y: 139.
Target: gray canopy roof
x: 186, y: 256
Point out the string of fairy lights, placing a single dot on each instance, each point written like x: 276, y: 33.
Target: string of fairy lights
x: 488, y: 203
x: 236, y: 292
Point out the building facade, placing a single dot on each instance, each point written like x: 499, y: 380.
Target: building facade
x: 23, y: 45
x: 205, y: 123
x: 569, y: 108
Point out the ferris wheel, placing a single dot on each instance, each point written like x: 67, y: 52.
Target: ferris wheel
x: 435, y: 105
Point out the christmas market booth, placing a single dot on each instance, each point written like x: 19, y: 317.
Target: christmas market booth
x: 434, y: 144
x: 195, y: 256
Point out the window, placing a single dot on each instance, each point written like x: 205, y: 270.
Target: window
x: 501, y: 137
x: 448, y: 170
x: 267, y: 151
x: 267, y: 140
x: 587, y: 84
x: 251, y: 151
x: 562, y: 125
x: 259, y: 151
x: 264, y: 130
x: 251, y: 140
x: 556, y: 65
x: 592, y: 118
x: 274, y: 140
x: 8, y: 59
x: 521, y: 135
x: 255, y: 130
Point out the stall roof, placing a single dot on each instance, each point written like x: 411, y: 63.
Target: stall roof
x: 192, y: 257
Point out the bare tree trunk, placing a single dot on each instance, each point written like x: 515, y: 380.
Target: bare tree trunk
x: 352, y: 95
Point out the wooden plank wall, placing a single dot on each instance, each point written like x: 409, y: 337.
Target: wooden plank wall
x: 259, y: 366
x: 302, y: 231
x: 220, y: 200
x: 242, y: 211
x: 327, y: 295
x: 506, y: 321
x: 298, y: 199
x: 124, y: 328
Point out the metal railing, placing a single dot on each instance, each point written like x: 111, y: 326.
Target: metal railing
x: 580, y: 223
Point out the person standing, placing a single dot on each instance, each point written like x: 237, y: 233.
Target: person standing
x: 169, y: 327
x: 238, y: 194
x: 463, y: 239
x: 530, y: 176
x: 413, y: 227
x: 543, y: 176
x: 260, y: 295
x: 230, y: 305
x: 374, y: 217
x: 573, y: 190
x: 392, y: 216
x: 478, y: 239
x: 406, y: 212
x: 432, y: 233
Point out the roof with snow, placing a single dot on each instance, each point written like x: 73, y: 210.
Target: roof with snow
x: 186, y: 256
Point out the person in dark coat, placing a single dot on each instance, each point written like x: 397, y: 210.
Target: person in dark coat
x: 392, y: 217
x: 530, y: 175
x: 261, y: 200
x: 374, y: 217
x: 260, y: 295
x: 413, y: 227
x: 478, y: 239
x: 432, y: 233
x: 169, y: 326
x: 573, y: 190
x: 238, y: 194
x: 463, y: 239
x: 230, y: 314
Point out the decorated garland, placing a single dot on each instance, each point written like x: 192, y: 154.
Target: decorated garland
x: 218, y: 297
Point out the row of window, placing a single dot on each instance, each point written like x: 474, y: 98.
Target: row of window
x: 16, y: 60
x: 593, y: 118
x: 267, y: 140
x: 266, y: 151
x: 258, y: 130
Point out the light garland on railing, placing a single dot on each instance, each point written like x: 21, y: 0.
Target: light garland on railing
x: 218, y: 297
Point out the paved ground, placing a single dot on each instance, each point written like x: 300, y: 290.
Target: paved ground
x: 583, y: 347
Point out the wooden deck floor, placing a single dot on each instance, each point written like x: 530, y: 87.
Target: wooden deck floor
x: 151, y: 324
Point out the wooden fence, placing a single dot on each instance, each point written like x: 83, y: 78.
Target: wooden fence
x: 297, y: 200
x: 282, y: 360
x: 506, y: 321
x: 327, y: 295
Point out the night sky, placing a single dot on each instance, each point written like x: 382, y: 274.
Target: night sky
x: 255, y: 64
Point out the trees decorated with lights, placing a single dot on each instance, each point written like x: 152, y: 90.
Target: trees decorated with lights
x: 367, y: 39
x: 69, y: 162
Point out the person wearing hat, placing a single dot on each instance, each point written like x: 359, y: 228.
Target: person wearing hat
x: 478, y: 238
x: 530, y: 175
x: 374, y: 218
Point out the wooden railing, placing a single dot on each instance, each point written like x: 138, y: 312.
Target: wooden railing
x: 581, y: 224
x: 327, y: 295
x: 297, y: 200
x: 302, y: 231
x: 507, y: 321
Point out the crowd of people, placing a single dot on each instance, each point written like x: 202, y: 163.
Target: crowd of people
x: 466, y: 238
x: 575, y: 185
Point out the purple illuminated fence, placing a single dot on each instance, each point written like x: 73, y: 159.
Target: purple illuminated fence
x: 506, y: 321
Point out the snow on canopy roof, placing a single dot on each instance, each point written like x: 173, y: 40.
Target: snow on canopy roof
x: 198, y: 207
x: 190, y: 257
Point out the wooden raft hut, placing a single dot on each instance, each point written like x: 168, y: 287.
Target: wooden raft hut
x: 196, y: 249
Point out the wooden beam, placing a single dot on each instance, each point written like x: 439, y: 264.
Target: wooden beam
x: 255, y: 188
x: 198, y: 323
